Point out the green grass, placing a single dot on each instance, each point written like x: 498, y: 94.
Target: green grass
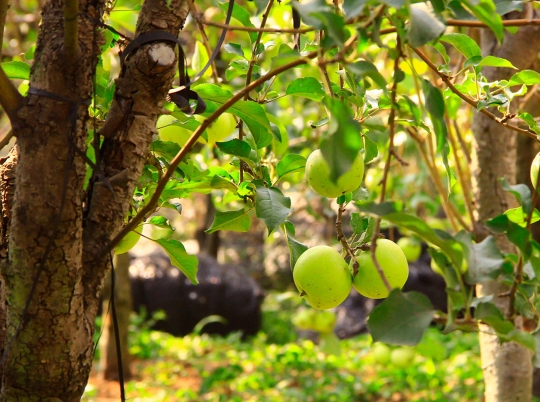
x: 275, y: 366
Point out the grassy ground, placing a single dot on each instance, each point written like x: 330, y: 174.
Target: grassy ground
x: 275, y: 366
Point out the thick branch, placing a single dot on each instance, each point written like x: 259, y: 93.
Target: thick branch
x: 10, y: 98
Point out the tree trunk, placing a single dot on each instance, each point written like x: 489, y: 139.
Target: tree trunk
x: 58, y: 232
x: 507, y: 367
x: 123, y: 307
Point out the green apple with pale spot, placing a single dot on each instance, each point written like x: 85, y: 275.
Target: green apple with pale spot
x: 318, y: 176
x: 322, y: 277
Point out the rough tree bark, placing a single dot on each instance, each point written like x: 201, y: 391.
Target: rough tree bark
x: 507, y: 367
x: 51, y: 356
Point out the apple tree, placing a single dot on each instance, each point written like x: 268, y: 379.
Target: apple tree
x: 372, y: 100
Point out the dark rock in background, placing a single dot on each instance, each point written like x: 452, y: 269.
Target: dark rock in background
x: 223, y: 290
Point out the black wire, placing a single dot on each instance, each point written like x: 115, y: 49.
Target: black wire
x: 117, y: 333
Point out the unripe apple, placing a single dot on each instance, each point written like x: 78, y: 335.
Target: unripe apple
x: 304, y: 319
x: 381, y: 353
x: 221, y: 128
x: 173, y: 133
x: 393, y: 263
x: 318, y: 176
x: 324, y: 321
x: 402, y: 357
x: 322, y: 277
x: 535, y: 166
x: 410, y: 247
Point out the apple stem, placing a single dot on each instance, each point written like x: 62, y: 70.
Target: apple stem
x: 373, y: 248
x: 343, y: 240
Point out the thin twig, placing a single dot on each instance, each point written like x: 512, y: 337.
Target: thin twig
x: 206, y: 42
x: 343, y: 239
x: 255, y: 29
x: 447, y: 80
x: 392, y: 131
x: 465, y: 184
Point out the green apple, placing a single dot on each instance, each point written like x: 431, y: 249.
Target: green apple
x: 221, y: 128
x: 322, y: 277
x: 129, y: 241
x: 304, y: 319
x: 392, y: 261
x: 324, y: 321
x: 410, y: 247
x: 173, y: 133
x: 437, y: 269
x: 402, y: 357
x: 381, y: 353
x: 318, y: 176
x: 535, y: 166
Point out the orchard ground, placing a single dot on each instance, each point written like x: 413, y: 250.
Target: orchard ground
x: 278, y: 366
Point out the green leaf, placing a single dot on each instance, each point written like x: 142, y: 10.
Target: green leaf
x: 372, y: 151
x: 271, y: 205
x: 435, y: 107
x: 16, y: 70
x: 353, y: 8
x: 525, y: 77
x: 237, y: 221
x: 180, y: 258
x: 463, y: 43
x: 491, y: 315
x: 390, y: 212
x: 234, y: 48
x: 521, y: 192
x: 235, y: 147
x: 484, y: 262
x: 160, y: 221
x: 166, y: 149
x: 251, y: 113
x: 515, y: 233
x: 307, y: 87
x: 359, y: 223
x: 486, y: 12
x: 492, y: 61
x: 424, y: 26
x: 401, y: 319
x: 290, y: 163
x: 364, y: 69
x: 306, y: 9
x: 241, y: 15
x: 334, y: 27
x: 517, y: 215
x: 296, y: 248
x: 341, y: 148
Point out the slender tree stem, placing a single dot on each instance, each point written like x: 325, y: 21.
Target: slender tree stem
x: 206, y: 42
x: 392, y: 131
x: 71, y: 30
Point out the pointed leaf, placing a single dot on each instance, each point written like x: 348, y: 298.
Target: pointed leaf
x: 290, y: 163
x: 180, y: 258
x: 424, y: 26
x: 271, y: 205
x: 296, y: 248
x: 307, y: 87
x: 463, y: 43
x: 16, y: 70
x: 237, y: 221
x: 401, y: 319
